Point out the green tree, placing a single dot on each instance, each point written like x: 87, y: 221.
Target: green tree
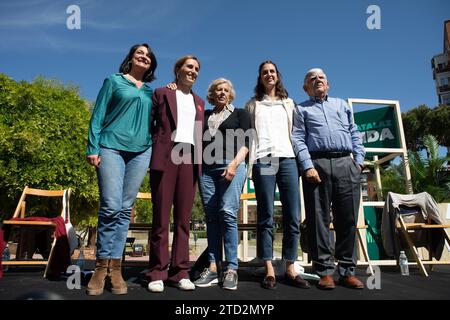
x: 393, y: 179
x: 439, y: 122
x: 427, y: 172
x: 415, y: 126
x: 43, y: 132
x: 197, y: 208
x: 144, y: 208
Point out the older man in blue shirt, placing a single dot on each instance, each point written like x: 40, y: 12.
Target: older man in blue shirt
x: 324, y: 138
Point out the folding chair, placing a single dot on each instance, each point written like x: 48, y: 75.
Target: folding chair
x: 245, y: 227
x: 22, y: 221
x: 417, y: 219
x: 428, y: 227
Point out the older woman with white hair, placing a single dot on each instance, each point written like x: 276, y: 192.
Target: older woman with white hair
x: 225, y: 147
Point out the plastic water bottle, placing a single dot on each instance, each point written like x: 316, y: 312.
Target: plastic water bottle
x: 403, y: 262
x: 6, y: 257
x: 81, y: 260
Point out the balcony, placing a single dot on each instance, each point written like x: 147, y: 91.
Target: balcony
x: 441, y: 63
x: 444, y: 88
x: 444, y: 68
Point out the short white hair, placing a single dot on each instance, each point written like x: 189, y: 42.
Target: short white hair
x: 311, y: 72
x: 214, y: 85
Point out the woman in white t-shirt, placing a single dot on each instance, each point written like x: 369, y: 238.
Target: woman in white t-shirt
x: 272, y: 162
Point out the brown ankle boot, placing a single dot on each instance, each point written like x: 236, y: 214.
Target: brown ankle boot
x: 97, y: 282
x: 118, y: 285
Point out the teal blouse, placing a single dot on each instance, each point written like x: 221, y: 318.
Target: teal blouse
x: 121, y: 117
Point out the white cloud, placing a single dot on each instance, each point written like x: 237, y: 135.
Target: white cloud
x: 30, y: 15
x: 41, y: 24
x: 100, y: 15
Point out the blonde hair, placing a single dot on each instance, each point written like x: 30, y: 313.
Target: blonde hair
x: 212, y: 87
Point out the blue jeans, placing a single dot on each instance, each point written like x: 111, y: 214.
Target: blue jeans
x: 285, y: 175
x: 120, y: 175
x: 221, y: 203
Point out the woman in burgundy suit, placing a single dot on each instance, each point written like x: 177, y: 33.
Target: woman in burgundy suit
x: 174, y: 170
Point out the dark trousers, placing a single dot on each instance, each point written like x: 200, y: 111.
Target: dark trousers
x: 340, y: 191
x: 174, y: 186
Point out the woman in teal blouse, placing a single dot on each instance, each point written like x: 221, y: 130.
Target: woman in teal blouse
x: 120, y: 146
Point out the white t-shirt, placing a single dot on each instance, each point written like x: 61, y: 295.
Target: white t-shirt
x: 185, y: 118
x: 273, y: 130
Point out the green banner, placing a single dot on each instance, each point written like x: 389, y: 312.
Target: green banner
x: 378, y: 127
x: 372, y: 218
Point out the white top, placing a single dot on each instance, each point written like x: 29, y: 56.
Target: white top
x: 185, y: 118
x: 273, y: 130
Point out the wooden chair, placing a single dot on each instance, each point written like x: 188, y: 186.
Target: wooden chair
x: 138, y: 226
x: 408, y: 229
x: 141, y: 226
x: 248, y: 196
x: 26, y: 226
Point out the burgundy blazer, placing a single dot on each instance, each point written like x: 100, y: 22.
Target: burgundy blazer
x: 164, y: 123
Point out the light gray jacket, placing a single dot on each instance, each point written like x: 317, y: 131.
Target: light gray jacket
x: 428, y: 211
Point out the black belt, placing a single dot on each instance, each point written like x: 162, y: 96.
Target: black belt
x: 328, y: 155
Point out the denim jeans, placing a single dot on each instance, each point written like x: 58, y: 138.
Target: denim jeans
x: 120, y: 175
x: 221, y: 202
x: 284, y: 174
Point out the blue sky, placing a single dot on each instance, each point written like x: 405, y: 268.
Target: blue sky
x: 231, y: 38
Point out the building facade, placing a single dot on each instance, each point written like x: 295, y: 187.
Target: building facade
x: 441, y: 68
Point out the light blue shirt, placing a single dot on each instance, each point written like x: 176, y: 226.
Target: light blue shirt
x: 325, y: 126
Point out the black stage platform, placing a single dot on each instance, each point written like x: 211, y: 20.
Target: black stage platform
x: 27, y: 283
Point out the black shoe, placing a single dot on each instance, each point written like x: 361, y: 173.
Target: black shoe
x: 298, y: 282
x: 269, y: 282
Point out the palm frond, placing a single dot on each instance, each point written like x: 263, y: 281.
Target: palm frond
x: 432, y: 145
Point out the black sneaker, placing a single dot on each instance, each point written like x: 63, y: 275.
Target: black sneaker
x: 207, y: 279
x: 230, y: 280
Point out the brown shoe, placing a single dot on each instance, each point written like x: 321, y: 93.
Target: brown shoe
x: 351, y: 282
x: 118, y: 285
x: 298, y: 281
x: 326, y: 283
x: 269, y: 282
x: 97, y: 282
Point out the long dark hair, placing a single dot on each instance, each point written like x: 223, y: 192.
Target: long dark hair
x: 149, y: 75
x: 260, y: 90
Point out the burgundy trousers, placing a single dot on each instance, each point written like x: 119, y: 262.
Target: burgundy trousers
x: 175, y: 186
